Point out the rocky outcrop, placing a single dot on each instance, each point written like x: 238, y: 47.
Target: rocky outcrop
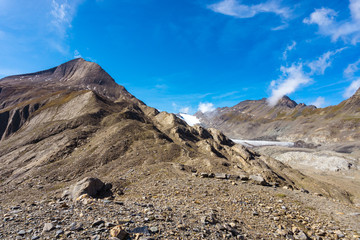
x: 92, y: 187
x: 12, y: 120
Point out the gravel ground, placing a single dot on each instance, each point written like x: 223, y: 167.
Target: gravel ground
x: 185, y: 208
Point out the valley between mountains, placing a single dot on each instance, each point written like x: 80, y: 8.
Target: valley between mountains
x: 82, y: 158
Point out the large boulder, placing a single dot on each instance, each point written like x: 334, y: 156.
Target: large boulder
x: 93, y: 187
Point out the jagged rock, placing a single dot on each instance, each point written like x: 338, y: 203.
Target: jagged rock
x: 93, y: 187
x: 301, y: 236
x: 119, y: 232
x: 48, y: 227
x: 258, y: 179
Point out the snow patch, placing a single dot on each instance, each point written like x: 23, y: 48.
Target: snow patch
x: 254, y: 143
x: 190, y: 119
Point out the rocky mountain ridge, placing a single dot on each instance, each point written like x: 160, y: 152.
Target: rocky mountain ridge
x: 288, y: 121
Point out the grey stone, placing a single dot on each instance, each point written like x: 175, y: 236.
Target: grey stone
x: 35, y: 237
x: 339, y: 234
x: 141, y: 230
x: 221, y: 175
x: 91, y: 186
x: 48, y: 227
x: 301, y: 236
x: 258, y: 179
x: 154, y: 229
x: 21, y: 232
x: 74, y: 226
x: 59, y: 232
x: 97, y: 223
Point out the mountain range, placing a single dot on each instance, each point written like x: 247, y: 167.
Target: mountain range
x: 288, y: 121
x: 73, y: 120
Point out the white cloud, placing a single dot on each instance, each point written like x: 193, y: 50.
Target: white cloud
x: 347, y: 30
x: 354, y: 86
x: 292, y: 78
x: 319, y: 65
x: 295, y: 76
x: 63, y: 13
x: 319, y: 102
x: 281, y: 27
x: 351, y: 69
x: 288, y: 49
x: 77, y: 54
x: 206, y: 107
x: 185, y: 110
x: 322, y: 17
x: 236, y: 9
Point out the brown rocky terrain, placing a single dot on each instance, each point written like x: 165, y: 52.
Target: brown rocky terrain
x: 169, y: 180
x: 288, y: 121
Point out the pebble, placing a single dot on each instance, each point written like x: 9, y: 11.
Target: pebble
x: 154, y: 229
x: 48, y: 227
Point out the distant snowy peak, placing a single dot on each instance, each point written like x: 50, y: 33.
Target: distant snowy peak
x: 190, y: 119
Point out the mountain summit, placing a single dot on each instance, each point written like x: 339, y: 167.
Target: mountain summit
x: 76, y: 74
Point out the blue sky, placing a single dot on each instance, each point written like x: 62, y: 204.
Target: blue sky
x: 185, y: 55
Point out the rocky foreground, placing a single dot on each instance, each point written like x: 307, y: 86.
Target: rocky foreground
x: 190, y: 207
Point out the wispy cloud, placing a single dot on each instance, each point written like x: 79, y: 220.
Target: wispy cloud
x: 354, y: 86
x: 280, y: 27
x: 319, y: 65
x: 351, y: 69
x: 299, y: 74
x: 237, y: 9
x: 319, y: 102
x: 63, y: 13
x: 348, y: 30
x: 77, y: 54
x: 206, y: 107
x: 288, y: 49
x: 225, y: 95
x: 185, y: 110
x: 292, y: 77
x: 349, y: 73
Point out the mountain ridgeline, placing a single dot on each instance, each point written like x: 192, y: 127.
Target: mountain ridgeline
x: 288, y: 121
x: 74, y: 121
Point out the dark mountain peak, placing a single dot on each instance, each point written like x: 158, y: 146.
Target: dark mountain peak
x: 285, y: 101
x: 79, y: 71
x: 77, y: 74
